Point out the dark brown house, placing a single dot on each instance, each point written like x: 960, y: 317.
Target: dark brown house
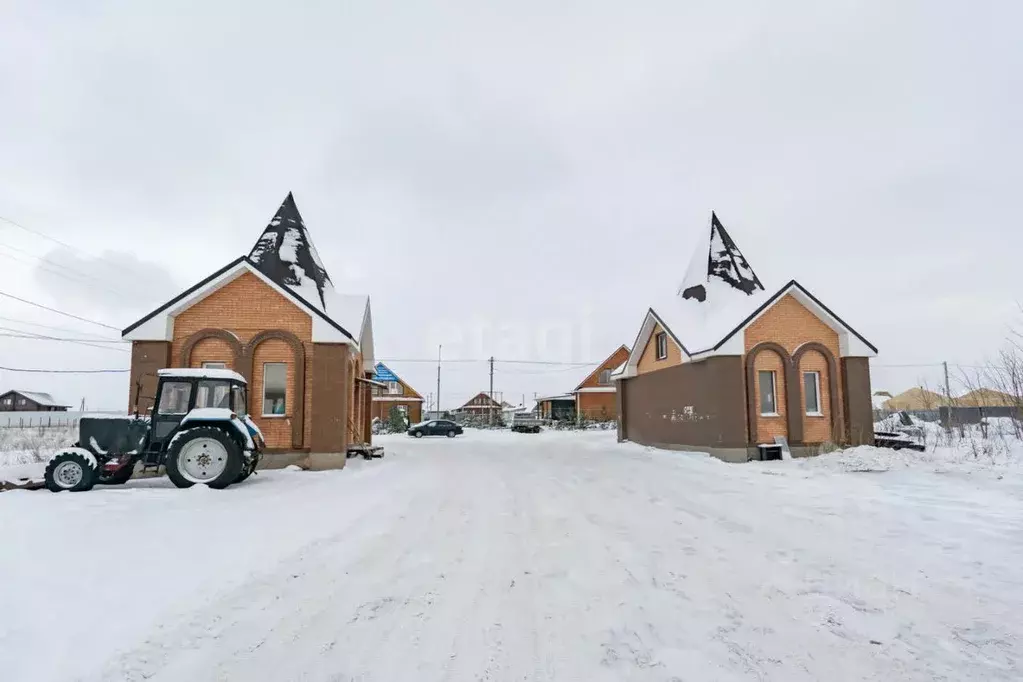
x: 29, y: 401
x: 724, y: 366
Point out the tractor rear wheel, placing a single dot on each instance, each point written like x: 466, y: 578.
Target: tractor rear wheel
x: 204, y: 454
x: 70, y: 471
x: 247, y: 469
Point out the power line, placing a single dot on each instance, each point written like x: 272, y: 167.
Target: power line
x: 39, y: 234
x: 80, y: 342
x: 65, y: 371
x: 58, y: 270
x: 50, y: 326
x: 22, y: 334
x: 59, y: 312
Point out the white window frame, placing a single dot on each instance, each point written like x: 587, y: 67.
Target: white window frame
x: 262, y: 398
x: 774, y: 393
x: 393, y: 388
x: 661, y: 336
x: 601, y: 377
x: 817, y: 388
x: 214, y: 365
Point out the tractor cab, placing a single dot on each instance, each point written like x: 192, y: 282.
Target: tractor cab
x: 195, y: 394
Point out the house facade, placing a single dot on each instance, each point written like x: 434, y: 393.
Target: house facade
x: 724, y: 366
x: 29, y: 401
x: 394, y: 391
x: 595, y: 396
x: 274, y: 317
x: 557, y: 407
x: 480, y: 405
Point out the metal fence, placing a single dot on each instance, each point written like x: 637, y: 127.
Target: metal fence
x: 44, y: 420
x: 956, y: 416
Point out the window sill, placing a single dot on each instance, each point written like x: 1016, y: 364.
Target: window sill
x: 274, y: 416
x: 814, y: 414
x: 769, y: 414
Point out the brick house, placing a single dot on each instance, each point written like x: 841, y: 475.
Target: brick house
x: 723, y: 365
x: 274, y: 317
x: 29, y: 401
x: 595, y: 395
x: 480, y: 405
x: 393, y: 391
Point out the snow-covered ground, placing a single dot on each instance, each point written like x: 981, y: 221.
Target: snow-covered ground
x: 499, y: 556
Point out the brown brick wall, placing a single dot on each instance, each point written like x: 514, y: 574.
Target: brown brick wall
x: 330, y: 398
x: 856, y: 382
x: 146, y: 358
x: 597, y: 406
x: 246, y: 307
x: 790, y: 325
x: 697, y: 404
x: 648, y: 361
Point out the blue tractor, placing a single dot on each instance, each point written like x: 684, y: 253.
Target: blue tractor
x: 199, y: 430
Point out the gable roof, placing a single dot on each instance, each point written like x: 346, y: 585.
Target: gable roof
x: 384, y: 373
x: 916, y: 398
x: 153, y: 327
x: 713, y: 337
x: 44, y: 399
x: 285, y: 259
x: 604, y: 365
x: 490, y: 402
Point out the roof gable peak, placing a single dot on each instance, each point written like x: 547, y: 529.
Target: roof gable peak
x: 718, y: 259
x: 285, y: 252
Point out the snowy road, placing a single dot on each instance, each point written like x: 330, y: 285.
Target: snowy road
x: 514, y: 557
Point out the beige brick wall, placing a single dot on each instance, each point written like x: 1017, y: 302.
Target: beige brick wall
x: 211, y: 350
x: 648, y: 361
x: 617, y: 358
x: 817, y: 429
x: 790, y: 325
x: 769, y: 427
x: 246, y: 307
x: 598, y: 405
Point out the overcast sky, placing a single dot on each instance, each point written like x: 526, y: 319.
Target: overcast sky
x: 513, y: 179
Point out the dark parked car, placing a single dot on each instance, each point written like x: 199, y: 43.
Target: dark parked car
x: 435, y: 427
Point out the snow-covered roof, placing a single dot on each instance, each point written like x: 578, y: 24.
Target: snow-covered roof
x: 285, y: 252
x: 201, y: 373
x: 563, y: 396
x: 284, y: 257
x: 44, y: 399
x: 719, y: 296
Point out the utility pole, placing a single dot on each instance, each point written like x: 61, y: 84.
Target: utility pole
x: 491, y: 390
x: 948, y: 392
x: 438, y: 379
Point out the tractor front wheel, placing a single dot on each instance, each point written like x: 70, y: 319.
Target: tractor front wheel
x: 204, y: 454
x: 70, y: 471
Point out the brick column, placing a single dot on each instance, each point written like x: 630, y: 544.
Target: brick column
x: 330, y: 399
x: 146, y: 358
x: 859, y: 410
